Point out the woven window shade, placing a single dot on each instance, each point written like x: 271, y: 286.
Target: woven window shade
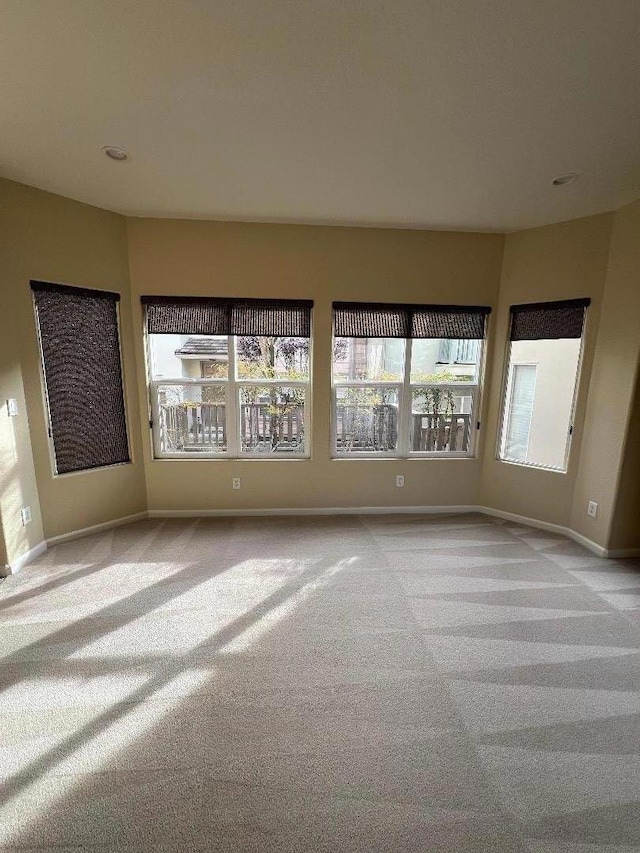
x: 282, y: 318
x: 83, y: 374
x: 382, y: 320
x: 548, y: 320
x: 370, y: 320
x: 449, y: 321
x: 186, y: 315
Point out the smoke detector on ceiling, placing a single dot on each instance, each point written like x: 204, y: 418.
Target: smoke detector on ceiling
x: 115, y: 153
x: 565, y: 180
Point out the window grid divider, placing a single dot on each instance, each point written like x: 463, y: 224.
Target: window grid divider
x: 404, y: 403
x: 234, y: 438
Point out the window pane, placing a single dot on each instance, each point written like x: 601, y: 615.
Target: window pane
x: 192, y: 418
x: 368, y: 359
x: 272, y: 419
x: 444, y: 360
x: 518, y: 426
x: 271, y: 358
x: 188, y: 357
x: 440, y: 419
x: 539, y: 401
x: 366, y: 419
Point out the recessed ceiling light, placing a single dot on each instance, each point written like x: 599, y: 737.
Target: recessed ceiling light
x: 564, y: 180
x: 115, y: 153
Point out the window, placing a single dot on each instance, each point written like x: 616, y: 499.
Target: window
x: 522, y: 384
x: 80, y: 349
x: 405, y: 379
x: 229, y: 378
x: 542, y: 373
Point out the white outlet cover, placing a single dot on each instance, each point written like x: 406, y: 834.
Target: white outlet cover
x: 25, y: 512
x: 235, y: 482
x: 12, y: 408
x: 592, y: 509
x: 400, y: 480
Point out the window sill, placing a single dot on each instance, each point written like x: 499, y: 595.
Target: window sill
x: 532, y: 466
x: 368, y: 457
x: 219, y: 457
x: 96, y: 468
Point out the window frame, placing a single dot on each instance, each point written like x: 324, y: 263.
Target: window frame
x: 504, y: 406
x: 233, y: 405
x: 404, y: 387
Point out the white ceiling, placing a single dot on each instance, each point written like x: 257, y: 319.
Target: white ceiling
x: 404, y: 113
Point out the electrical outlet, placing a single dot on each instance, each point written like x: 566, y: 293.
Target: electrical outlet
x: 399, y: 480
x: 25, y: 512
x: 592, y: 509
x: 12, y: 408
x: 235, y: 483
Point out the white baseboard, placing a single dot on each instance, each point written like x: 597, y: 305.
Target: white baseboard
x: 96, y: 528
x: 623, y: 553
x: 547, y: 525
x: 21, y: 561
x: 323, y: 510
x: 457, y: 509
x: 398, y: 510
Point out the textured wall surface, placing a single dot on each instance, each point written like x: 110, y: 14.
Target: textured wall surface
x: 323, y: 264
x: 563, y: 261
x: 53, y: 239
x: 50, y: 238
x: 608, y: 421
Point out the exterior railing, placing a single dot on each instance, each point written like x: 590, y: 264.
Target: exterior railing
x: 193, y: 427
x: 267, y: 428
x: 202, y: 427
x: 366, y: 428
x: 431, y: 433
x: 374, y: 429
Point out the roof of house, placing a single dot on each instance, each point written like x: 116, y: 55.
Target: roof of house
x: 206, y: 347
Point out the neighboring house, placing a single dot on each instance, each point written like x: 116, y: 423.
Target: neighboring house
x: 204, y: 358
x: 539, y: 400
x: 184, y: 357
x: 382, y: 357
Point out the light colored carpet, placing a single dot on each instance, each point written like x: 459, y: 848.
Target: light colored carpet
x: 379, y: 683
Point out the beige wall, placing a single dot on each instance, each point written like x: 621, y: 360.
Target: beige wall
x: 51, y: 238
x: 562, y: 261
x: 54, y: 239
x: 324, y: 264
x: 625, y: 524
x: 611, y: 395
x: 18, y: 483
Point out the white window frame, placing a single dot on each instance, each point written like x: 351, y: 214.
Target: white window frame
x: 233, y: 403
x: 506, y: 385
x: 404, y: 388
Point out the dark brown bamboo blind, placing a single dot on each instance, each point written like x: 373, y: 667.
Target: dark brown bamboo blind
x: 548, y: 320
x: 192, y: 315
x: 79, y: 337
x: 386, y: 320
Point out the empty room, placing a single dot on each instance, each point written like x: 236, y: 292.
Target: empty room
x: 320, y: 426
